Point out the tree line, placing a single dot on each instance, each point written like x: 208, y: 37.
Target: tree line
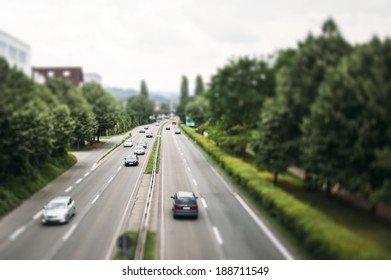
x: 39, y: 122
x: 324, y: 106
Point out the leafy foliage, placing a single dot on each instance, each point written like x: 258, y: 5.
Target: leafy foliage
x: 104, y: 107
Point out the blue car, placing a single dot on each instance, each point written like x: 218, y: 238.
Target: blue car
x: 185, y: 205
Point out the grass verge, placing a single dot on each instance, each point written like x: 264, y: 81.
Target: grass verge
x: 150, y: 246
x: 16, y: 189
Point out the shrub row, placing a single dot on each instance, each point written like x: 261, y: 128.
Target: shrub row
x: 320, y: 235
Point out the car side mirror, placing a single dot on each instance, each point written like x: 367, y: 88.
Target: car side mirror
x: 172, y: 197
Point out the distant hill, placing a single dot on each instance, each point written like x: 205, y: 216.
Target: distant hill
x: 121, y: 93
x: 158, y: 97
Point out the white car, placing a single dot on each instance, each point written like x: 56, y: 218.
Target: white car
x: 139, y: 150
x: 128, y: 143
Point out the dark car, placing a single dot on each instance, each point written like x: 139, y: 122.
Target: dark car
x: 168, y: 128
x: 149, y: 134
x: 131, y: 160
x: 59, y: 210
x: 184, y: 205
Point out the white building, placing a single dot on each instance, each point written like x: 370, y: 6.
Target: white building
x: 16, y: 52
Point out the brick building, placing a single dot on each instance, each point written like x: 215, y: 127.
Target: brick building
x: 74, y: 74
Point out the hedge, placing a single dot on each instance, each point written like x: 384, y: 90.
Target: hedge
x: 320, y: 235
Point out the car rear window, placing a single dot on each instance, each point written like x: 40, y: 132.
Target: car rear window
x: 186, y: 200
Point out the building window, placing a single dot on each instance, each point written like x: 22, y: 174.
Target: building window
x: 12, y: 51
x: 22, y: 57
x: 3, y: 47
x: 50, y: 74
x: 66, y: 73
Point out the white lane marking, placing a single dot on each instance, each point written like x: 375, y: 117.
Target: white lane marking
x: 94, y: 167
x: 119, y: 168
x: 88, y: 173
x: 204, y: 202
x: 69, y: 189
x: 17, y: 232
x: 184, y: 160
x: 195, y: 182
x: 111, y: 179
x: 70, y: 231
x: 95, y: 199
x: 78, y: 181
x: 268, y: 233
x: 217, y: 235
x: 39, y: 214
x: 188, y: 168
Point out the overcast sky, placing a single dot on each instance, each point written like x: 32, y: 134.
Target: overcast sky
x: 126, y: 41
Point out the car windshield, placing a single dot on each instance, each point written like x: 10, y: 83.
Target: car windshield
x: 56, y: 205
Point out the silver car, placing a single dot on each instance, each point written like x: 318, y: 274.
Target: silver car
x: 139, y: 150
x: 59, y: 210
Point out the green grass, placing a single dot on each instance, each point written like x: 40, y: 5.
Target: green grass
x: 16, y: 189
x: 149, y: 168
x: 357, y: 219
x: 150, y: 246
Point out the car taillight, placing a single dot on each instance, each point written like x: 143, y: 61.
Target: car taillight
x: 193, y: 207
x: 178, y: 207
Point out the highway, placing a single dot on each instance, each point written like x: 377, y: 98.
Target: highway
x: 227, y: 227
x: 103, y: 194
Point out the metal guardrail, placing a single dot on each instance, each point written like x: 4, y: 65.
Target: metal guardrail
x: 140, y: 249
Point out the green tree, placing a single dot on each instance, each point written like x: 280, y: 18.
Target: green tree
x: 183, y: 99
x: 238, y: 91
x: 199, y: 86
x: 103, y: 105
x: 140, y: 109
x: 299, y: 79
x: 81, y: 111
x: 269, y: 141
x: 348, y: 134
x: 198, y: 109
x: 26, y: 130
x: 236, y: 94
x: 144, y: 89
